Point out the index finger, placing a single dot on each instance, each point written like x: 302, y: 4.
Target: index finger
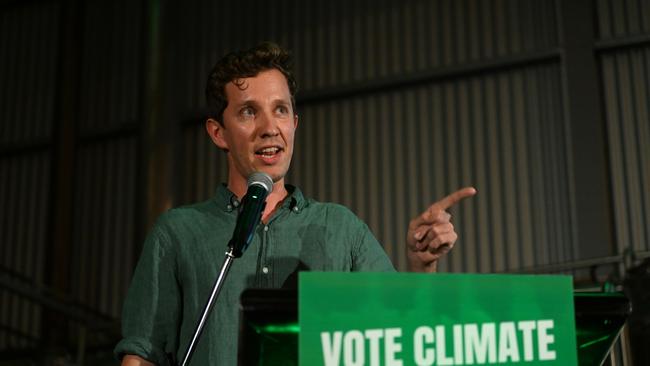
x: 454, y: 198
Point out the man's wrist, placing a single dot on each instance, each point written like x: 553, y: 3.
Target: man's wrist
x: 417, y: 264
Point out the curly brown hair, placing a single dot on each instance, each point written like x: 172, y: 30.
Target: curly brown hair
x: 245, y: 64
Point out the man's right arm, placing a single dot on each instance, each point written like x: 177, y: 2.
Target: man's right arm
x: 150, y: 317
x: 131, y: 360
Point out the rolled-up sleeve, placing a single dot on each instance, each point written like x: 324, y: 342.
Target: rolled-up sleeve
x: 151, y: 313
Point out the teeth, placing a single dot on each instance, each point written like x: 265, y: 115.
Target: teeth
x: 269, y: 151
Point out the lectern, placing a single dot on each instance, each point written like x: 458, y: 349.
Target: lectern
x: 269, y: 328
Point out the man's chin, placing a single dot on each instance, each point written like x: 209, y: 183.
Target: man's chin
x: 277, y: 177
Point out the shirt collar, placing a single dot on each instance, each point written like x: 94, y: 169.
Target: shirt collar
x: 227, y: 201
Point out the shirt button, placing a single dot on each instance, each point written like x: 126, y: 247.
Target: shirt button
x: 295, y: 209
x: 229, y: 207
x: 266, y: 228
x: 265, y: 269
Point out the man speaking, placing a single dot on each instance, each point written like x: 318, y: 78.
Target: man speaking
x: 251, y: 96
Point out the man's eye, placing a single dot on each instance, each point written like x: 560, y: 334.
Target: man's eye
x: 247, y: 112
x: 282, y: 109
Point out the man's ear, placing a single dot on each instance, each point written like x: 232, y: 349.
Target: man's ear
x: 295, y: 121
x: 215, y: 131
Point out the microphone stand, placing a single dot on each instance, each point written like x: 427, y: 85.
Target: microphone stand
x: 207, y: 309
x: 253, y: 204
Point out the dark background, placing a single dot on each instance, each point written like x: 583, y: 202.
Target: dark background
x: 543, y: 105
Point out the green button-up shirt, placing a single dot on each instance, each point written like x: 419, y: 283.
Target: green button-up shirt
x: 186, y: 248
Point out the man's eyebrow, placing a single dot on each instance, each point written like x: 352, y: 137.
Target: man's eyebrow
x: 281, y: 100
x: 255, y: 103
x: 247, y: 102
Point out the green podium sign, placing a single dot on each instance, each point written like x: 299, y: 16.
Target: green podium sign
x: 444, y: 319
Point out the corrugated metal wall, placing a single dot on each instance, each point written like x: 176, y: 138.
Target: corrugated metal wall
x: 28, y: 45
x: 400, y: 103
x: 105, y: 206
x: 24, y: 198
x: 105, y: 220
x: 398, y: 110
x: 202, y: 167
x: 624, y: 54
x: 338, y: 43
x: 388, y: 155
x: 29, y: 49
x: 112, y: 72
x: 616, y: 19
x: 106, y: 194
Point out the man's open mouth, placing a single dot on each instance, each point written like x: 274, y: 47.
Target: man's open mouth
x: 268, y: 152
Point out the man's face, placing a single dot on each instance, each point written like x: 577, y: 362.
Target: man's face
x: 258, y: 126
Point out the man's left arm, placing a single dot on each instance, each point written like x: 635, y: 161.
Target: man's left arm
x: 431, y: 235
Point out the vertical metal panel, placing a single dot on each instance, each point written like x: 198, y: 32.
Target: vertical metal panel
x: 361, y: 119
x: 548, y: 146
x: 23, y: 189
x: 454, y: 161
x: 644, y: 12
x: 478, y: 178
x: 374, y: 147
x: 603, y: 22
x: 494, y: 156
x: 510, y: 185
x: 104, y: 234
x: 546, y: 189
x: 382, y: 150
x: 321, y: 126
x: 111, y: 78
x: 410, y: 162
x: 333, y: 131
x: 204, y: 165
x: 4, y: 225
x: 345, y: 158
x: 201, y: 157
x: 83, y: 216
x: 467, y: 175
x: 9, y: 237
x: 617, y: 19
x: 28, y: 45
x: 626, y: 80
x: 523, y: 171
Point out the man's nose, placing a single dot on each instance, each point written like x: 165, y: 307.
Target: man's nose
x: 268, y: 125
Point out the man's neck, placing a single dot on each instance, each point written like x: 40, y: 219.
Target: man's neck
x: 273, y: 201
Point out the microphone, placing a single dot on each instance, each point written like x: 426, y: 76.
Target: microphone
x: 253, y: 204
